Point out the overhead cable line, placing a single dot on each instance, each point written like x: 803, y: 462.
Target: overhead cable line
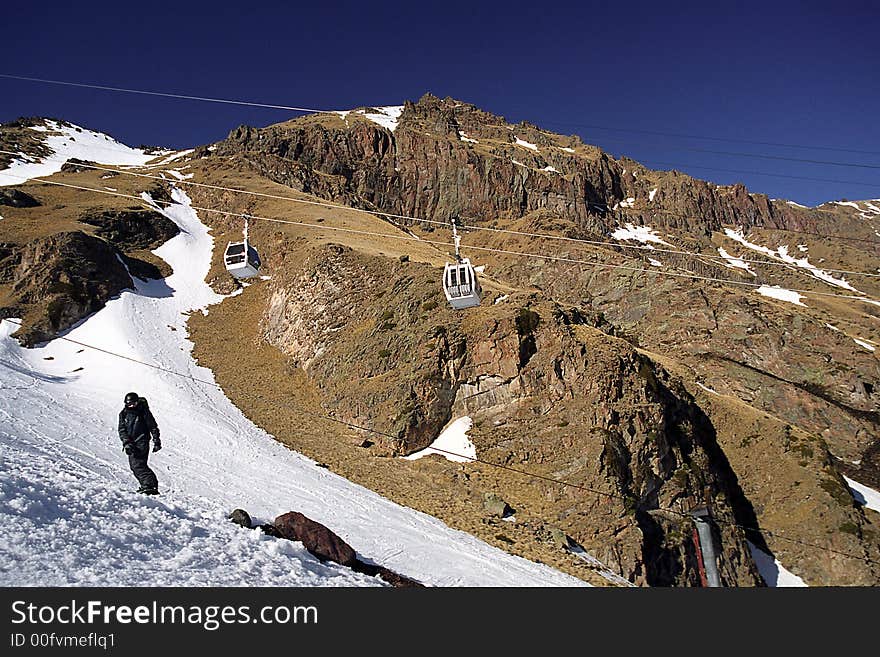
x: 759, y: 173
x: 533, y: 256
x: 472, y: 459
x: 317, y: 111
x: 680, y: 215
x: 166, y: 95
x: 602, y: 143
x: 715, y: 138
x: 787, y: 159
x: 716, y: 259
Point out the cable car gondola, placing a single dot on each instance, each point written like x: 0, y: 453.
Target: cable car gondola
x: 460, y: 283
x: 242, y: 260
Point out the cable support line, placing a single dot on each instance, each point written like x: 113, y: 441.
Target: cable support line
x: 604, y: 143
x: 762, y: 173
x: 680, y: 215
x: 165, y: 95
x: 715, y: 259
x: 573, y: 261
x: 320, y: 111
x: 677, y: 166
x: 722, y: 139
x: 787, y: 159
x: 606, y: 149
x: 501, y: 466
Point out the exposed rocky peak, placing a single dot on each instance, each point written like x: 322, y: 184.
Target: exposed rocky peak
x: 447, y: 158
x: 440, y: 117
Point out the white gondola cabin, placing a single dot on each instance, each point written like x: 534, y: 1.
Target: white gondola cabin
x: 241, y: 259
x: 461, y: 285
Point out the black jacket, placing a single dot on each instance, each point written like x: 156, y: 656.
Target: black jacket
x: 137, y: 425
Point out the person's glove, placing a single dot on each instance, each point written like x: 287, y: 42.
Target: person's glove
x: 157, y: 444
x: 127, y: 449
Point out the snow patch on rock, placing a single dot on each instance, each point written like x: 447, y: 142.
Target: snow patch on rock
x: 70, y: 141
x: 776, y: 292
x: 452, y: 444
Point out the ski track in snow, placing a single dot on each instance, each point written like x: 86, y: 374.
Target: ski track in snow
x: 62, y: 420
x: 100, y: 535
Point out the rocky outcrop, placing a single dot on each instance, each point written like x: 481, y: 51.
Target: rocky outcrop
x: 647, y: 444
x: 16, y: 136
x: 63, y: 278
x: 327, y: 546
x: 550, y: 389
x: 241, y: 518
x: 57, y: 280
x: 76, y: 165
x: 15, y: 198
x: 448, y: 158
x: 130, y: 229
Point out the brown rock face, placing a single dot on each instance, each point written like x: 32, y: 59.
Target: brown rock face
x: 635, y: 432
x: 16, y: 198
x: 68, y: 275
x: 131, y: 229
x: 427, y: 168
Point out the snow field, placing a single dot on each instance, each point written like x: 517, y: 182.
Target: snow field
x: 773, y: 573
x: 781, y: 293
x: 864, y: 495
x: 98, y: 534
x: 781, y: 254
x: 734, y: 262
x: 525, y: 144
x: 387, y: 117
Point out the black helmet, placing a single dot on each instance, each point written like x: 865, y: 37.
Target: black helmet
x: 131, y: 399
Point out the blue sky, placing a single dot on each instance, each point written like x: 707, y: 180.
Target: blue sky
x: 638, y: 79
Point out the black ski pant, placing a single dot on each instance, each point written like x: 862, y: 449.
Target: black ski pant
x: 137, y: 461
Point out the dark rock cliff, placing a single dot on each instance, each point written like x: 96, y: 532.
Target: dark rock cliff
x: 447, y: 158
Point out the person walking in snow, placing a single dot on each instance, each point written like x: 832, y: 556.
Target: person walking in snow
x: 136, y: 426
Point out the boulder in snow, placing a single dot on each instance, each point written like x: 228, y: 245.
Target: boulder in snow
x: 327, y: 546
x: 241, y: 517
x: 316, y: 538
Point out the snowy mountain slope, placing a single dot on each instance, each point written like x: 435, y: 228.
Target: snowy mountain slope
x: 69, y: 141
x: 63, y: 524
x: 61, y: 401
